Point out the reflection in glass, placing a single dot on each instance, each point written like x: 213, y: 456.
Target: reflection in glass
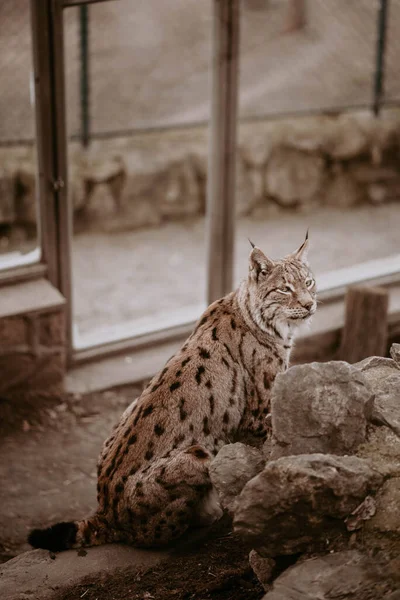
x: 138, y: 189
x: 18, y: 158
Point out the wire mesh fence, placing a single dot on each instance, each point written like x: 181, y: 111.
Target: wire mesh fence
x: 16, y: 90
x: 146, y: 64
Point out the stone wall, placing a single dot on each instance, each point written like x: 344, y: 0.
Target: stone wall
x: 141, y: 181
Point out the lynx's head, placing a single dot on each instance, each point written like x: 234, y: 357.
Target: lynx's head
x: 279, y: 295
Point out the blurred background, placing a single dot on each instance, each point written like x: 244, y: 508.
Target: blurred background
x: 318, y: 146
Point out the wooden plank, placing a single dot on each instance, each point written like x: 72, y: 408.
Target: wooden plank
x: 365, y: 331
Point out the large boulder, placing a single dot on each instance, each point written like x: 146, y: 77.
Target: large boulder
x: 232, y: 468
x: 347, y: 574
x: 297, y: 503
x: 319, y: 407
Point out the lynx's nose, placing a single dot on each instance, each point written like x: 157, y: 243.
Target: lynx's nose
x: 308, y: 305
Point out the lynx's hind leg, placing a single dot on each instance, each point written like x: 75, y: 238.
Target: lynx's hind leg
x: 170, y: 496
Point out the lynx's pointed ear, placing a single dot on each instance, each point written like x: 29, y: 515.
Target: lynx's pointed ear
x: 259, y: 264
x: 302, y: 252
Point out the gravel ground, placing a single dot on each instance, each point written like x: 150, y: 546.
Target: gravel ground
x: 143, y: 277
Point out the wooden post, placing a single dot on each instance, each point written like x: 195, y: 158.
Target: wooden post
x: 365, y: 330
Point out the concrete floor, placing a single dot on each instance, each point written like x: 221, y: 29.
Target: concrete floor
x: 139, y: 279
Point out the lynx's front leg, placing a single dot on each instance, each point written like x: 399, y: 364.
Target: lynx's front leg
x: 255, y: 420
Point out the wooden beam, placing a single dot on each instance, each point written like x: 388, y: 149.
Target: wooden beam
x: 365, y: 331
x: 220, y: 214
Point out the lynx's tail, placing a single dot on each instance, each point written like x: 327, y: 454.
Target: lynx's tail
x: 93, y: 531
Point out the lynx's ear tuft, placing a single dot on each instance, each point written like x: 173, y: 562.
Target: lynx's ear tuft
x: 302, y: 252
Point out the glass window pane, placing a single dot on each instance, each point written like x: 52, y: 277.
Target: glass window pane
x: 138, y: 190
x: 19, y: 243
x: 304, y: 162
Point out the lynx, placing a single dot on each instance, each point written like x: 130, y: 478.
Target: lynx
x: 153, y: 477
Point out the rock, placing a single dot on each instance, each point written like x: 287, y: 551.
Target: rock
x: 395, y: 353
x: 382, y: 450
x: 7, y: 196
x: 298, y: 502
x: 383, y: 377
x: 151, y: 196
x: 346, y: 138
x: 262, y: 567
x: 382, y: 133
x: 245, y: 195
x: 103, y: 168
x: 78, y: 187
x: 257, y: 185
x: 232, y: 468
x: 377, y: 368
x: 26, y: 200
x: 309, y: 135
x: 293, y: 177
x: 377, y: 193
x: 180, y: 195
x: 367, y: 173
x: 41, y: 575
x: 256, y: 146
x: 363, y: 512
x: 319, y: 407
x: 342, y: 190
x: 100, y: 205
x: 387, y: 516
x: 347, y: 574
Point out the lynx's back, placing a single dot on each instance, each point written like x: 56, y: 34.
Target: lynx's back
x: 153, y: 480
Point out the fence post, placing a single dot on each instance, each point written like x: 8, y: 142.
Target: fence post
x: 84, y: 73
x: 380, y: 56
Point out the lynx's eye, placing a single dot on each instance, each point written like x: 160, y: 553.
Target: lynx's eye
x: 264, y: 272
x: 309, y: 282
x: 285, y: 289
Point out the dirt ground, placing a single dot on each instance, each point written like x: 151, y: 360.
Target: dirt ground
x: 217, y: 569
x: 48, y: 450
x: 48, y: 453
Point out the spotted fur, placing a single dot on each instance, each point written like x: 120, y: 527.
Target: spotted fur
x: 153, y: 479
